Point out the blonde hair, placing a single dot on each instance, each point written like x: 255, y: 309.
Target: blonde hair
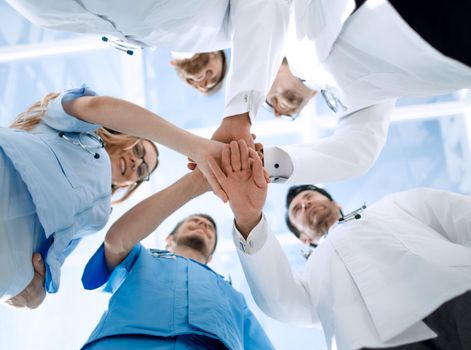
x: 114, y: 141
x: 34, y: 114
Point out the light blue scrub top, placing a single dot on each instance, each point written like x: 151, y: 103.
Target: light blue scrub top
x: 71, y: 190
x: 157, y: 293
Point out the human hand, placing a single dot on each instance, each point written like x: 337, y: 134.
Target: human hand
x: 204, y: 150
x: 243, y: 179
x: 199, y: 182
x: 258, y: 147
x: 33, y: 295
x: 233, y: 128
x: 259, y: 150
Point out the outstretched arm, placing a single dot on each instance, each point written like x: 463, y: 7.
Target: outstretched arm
x: 276, y: 289
x: 259, y: 31
x: 351, y: 151
x: 131, y: 119
x: 141, y: 220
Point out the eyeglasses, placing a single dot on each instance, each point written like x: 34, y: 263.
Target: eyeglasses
x: 143, y: 172
x: 332, y: 100
x: 291, y: 117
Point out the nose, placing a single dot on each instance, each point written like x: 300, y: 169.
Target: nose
x: 305, y: 205
x: 203, y: 224
x: 203, y: 83
x: 133, y: 160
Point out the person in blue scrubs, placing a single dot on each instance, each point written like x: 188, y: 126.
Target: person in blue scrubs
x: 168, y: 299
x: 58, y: 170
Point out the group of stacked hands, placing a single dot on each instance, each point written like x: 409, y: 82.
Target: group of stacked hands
x: 395, y: 275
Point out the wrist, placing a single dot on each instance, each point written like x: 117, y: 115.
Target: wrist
x: 245, y: 225
x: 242, y: 120
x: 198, y: 183
x: 198, y: 148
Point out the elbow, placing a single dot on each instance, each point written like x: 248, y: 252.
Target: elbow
x: 114, y: 243
x: 366, y: 157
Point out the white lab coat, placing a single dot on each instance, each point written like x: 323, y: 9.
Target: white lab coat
x: 375, y: 57
x: 372, y: 280
x: 350, y: 151
x: 253, y: 29
x: 371, y: 57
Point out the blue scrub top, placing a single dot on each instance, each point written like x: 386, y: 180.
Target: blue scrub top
x: 157, y: 293
x: 70, y: 189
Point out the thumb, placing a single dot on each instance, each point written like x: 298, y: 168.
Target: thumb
x: 38, y: 264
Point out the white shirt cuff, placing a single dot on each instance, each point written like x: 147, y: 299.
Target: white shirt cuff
x: 255, y: 240
x: 278, y: 163
x: 243, y: 102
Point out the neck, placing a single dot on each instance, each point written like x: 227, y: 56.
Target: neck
x: 190, y: 253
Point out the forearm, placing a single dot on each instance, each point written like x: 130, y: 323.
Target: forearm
x: 246, y: 224
x: 140, y: 221
x: 259, y: 30
x: 131, y: 119
x: 351, y: 151
x: 275, y: 288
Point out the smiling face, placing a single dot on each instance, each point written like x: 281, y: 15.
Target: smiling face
x: 196, y: 233
x: 203, y: 71
x: 312, y: 214
x: 129, y: 166
x: 288, y: 95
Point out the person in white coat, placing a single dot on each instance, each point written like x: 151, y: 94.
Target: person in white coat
x: 254, y: 31
x: 400, y: 274
x: 363, y: 55
x: 350, y: 151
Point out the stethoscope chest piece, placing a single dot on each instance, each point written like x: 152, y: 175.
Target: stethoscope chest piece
x: 88, y: 141
x: 354, y: 215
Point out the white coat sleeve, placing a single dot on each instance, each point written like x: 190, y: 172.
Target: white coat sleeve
x: 445, y: 212
x: 351, y: 151
x: 259, y: 29
x: 278, y: 292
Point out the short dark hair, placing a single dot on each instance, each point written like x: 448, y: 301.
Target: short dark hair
x: 207, y: 217
x: 293, y: 192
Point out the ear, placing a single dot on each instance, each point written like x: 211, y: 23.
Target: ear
x: 169, y: 243
x: 209, y: 259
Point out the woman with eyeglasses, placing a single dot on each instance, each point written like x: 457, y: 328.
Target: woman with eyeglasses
x: 60, y: 163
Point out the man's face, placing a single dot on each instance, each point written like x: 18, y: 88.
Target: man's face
x: 288, y: 95
x: 203, y: 71
x: 313, y: 214
x: 197, y: 233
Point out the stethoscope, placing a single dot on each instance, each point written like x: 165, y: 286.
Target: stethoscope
x: 329, y: 94
x: 123, y: 45
x: 354, y: 215
x: 331, y: 99
x: 81, y: 141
